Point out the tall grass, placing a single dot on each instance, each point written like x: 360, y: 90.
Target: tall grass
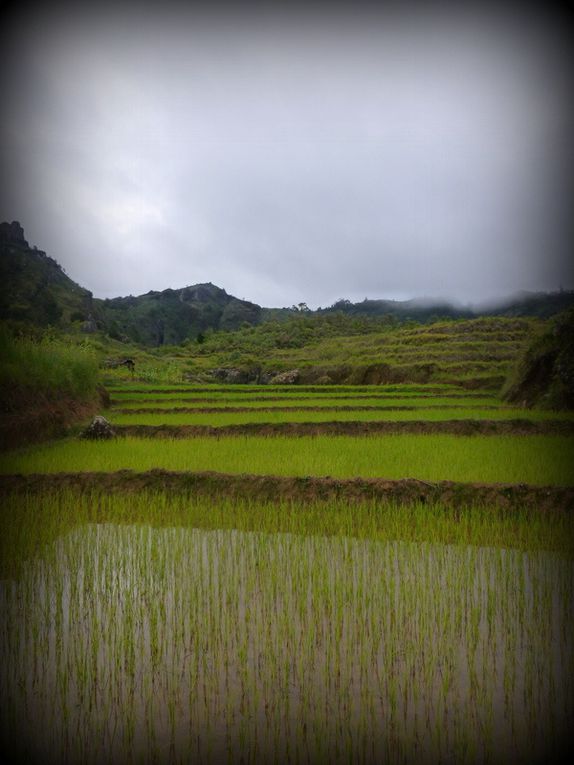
x: 157, y: 372
x: 48, y: 366
x: 536, y: 460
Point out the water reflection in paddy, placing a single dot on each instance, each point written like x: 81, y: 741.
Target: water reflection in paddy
x: 137, y: 644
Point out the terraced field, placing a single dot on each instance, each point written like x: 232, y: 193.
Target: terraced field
x: 476, y: 353
x: 312, y: 573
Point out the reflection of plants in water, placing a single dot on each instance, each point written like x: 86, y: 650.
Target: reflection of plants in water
x: 176, y: 644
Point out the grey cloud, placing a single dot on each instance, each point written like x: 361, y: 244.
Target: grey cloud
x: 294, y: 158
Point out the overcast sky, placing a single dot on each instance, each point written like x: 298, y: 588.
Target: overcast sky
x: 291, y: 157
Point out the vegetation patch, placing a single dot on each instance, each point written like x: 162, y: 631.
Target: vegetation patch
x: 544, y: 375
x: 269, y: 390
x: 46, y: 386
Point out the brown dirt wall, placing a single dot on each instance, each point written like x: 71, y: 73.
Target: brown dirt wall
x: 43, y: 418
x: 270, y: 488
x: 337, y: 428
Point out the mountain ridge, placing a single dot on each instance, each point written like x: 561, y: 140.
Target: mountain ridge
x: 35, y: 289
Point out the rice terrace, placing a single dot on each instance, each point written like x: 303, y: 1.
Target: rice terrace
x: 286, y: 573
x: 287, y: 402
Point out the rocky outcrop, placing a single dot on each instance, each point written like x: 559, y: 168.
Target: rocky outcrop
x: 12, y: 234
x: 233, y: 375
x: 34, y: 289
x: 99, y: 429
x: 89, y: 326
x: 238, y: 375
x: 286, y: 378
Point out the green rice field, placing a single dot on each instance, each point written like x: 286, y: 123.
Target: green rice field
x: 522, y: 459
x: 258, y: 401
x: 170, y: 626
x: 328, y: 415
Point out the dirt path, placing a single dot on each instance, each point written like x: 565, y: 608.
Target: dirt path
x: 279, y: 488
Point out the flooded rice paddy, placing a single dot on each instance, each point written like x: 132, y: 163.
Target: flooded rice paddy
x: 131, y: 643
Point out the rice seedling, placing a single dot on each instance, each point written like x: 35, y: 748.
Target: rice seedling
x: 30, y: 521
x: 539, y: 460
x: 170, y: 627
x: 257, y: 402
x: 135, y: 633
x: 393, y: 415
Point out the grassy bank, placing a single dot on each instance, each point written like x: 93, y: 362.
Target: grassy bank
x: 46, y: 384
x: 476, y: 353
x: 45, y: 366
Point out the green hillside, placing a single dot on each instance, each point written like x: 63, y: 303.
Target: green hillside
x: 342, y: 350
x: 33, y: 288
x: 544, y: 375
x: 203, y: 330
x: 172, y: 316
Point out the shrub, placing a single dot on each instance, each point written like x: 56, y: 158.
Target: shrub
x: 544, y: 376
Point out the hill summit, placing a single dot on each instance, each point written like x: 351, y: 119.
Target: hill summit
x: 171, y: 316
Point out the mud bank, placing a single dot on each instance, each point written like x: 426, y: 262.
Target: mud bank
x: 234, y: 409
x: 326, y: 389
x: 48, y: 419
x: 272, y: 395
x: 337, y: 428
x: 285, y: 488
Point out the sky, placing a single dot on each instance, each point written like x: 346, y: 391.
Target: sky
x: 307, y: 155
